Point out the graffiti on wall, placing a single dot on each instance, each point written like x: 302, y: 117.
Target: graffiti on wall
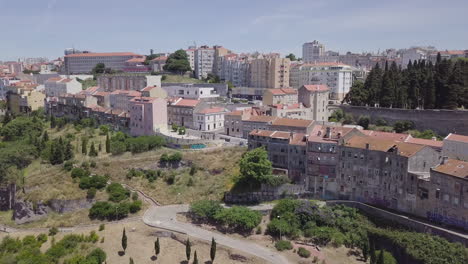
x: 447, y: 220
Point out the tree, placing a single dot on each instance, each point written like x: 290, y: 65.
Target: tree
x: 373, y: 85
x: 108, y: 149
x: 188, y: 249
x: 53, y: 123
x: 124, y: 240
x: 365, y: 250
x: 255, y: 167
x: 84, y: 147
x: 131, y: 261
x: 380, y: 260
x: 100, y: 68
x: 373, y: 257
x: 92, y: 151
x: 358, y: 95
x: 177, y: 62
x: 364, y: 121
x: 68, y: 151
x: 213, y: 250
x: 195, y: 258
x: 99, y: 147
x: 291, y: 57
x: 156, y: 247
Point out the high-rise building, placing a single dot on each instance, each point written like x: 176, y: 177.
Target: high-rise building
x: 312, y: 51
x: 204, y: 61
x: 269, y: 72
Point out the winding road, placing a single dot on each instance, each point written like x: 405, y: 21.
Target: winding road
x: 165, y: 217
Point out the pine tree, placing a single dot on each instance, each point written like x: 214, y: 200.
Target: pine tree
x: 380, y: 260
x: 213, y: 249
x: 454, y: 87
x: 386, y: 92
x: 84, y: 147
x: 92, y: 151
x: 373, y: 85
x: 195, y: 258
x: 53, y: 121
x: 68, y: 152
x: 188, y: 249
x: 107, y: 144
x: 124, y: 240
x: 156, y: 247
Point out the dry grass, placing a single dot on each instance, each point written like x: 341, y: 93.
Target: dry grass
x: 141, y: 245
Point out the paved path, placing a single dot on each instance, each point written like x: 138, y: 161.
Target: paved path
x: 165, y: 217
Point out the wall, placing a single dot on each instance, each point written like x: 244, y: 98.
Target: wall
x: 7, y: 197
x: 441, y: 121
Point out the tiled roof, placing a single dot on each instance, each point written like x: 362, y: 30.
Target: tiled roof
x: 317, y: 87
x: 212, y: 110
x: 292, y: 122
x: 456, y: 137
x: 65, y: 80
x: 287, y: 106
x: 426, y: 142
x: 127, y: 92
x: 54, y: 79
x: 405, y: 149
x: 136, y: 60
x: 103, y: 54
x: 282, y: 91
x: 235, y: 113
x: 148, y: 88
x: 387, y: 135
x: 453, y: 167
x: 187, y: 102
x: 101, y: 94
x: 261, y: 119
x: 318, y: 133
x: 160, y: 58
x: 298, y: 139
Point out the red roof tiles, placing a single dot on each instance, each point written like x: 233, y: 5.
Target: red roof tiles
x: 212, y: 110
x: 456, y: 137
x: 453, y: 167
x: 187, y: 102
x: 317, y: 87
x: 103, y: 54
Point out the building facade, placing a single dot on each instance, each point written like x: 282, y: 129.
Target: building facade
x: 147, y: 115
x: 60, y: 86
x: 315, y: 97
x: 312, y: 51
x: 204, y: 58
x: 280, y: 96
x: 269, y: 72
x: 455, y: 147
x: 210, y: 119
x: 85, y: 62
x: 113, y: 82
x: 181, y: 112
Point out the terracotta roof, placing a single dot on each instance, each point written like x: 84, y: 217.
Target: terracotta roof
x: 148, y: 88
x: 187, y: 102
x: 426, y: 142
x: 323, y: 64
x: 298, y: 139
x: 261, y: 119
x: 282, y: 91
x: 456, y: 137
x: 292, y: 122
x: 318, y: 133
x: 235, y: 113
x: 54, y: 79
x: 387, y: 135
x: 452, y: 52
x: 453, y: 167
x: 127, y: 92
x: 160, y: 58
x: 103, y: 54
x: 136, y: 60
x: 101, y: 94
x: 212, y: 110
x: 405, y: 149
x: 316, y: 87
x: 286, y: 106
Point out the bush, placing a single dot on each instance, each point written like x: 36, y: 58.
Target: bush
x: 164, y: 158
x: 169, y: 178
x: 97, y: 255
x: 91, y: 193
x: 303, y: 253
x: 117, y: 192
x: 282, y: 245
x: 175, y: 157
x: 402, y: 126
x: 79, y: 173
x: 93, y: 164
x: 205, y: 209
x: 135, y: 206
x: 102, y: 227
x: 68, y: 165
x: 53, y: 231
x: 109, y: 211
x: 381, y: 122
x: 239, y: 218
x: 134, y: 196
x: 364, y: 121
x: 42, y: 238
x: 95, y: 181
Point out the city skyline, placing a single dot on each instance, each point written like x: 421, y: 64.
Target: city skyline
x: 38, y: 29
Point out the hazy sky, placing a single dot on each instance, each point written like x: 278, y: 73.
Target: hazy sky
x: 46, y: 27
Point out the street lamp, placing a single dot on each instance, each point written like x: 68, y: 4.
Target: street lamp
x: 279, y: 226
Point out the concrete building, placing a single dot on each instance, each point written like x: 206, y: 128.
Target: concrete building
x: 23, y: 100
x: 181, y: 112
x: 280, y: 96
x: 256, y: 122
x: 137, y: 65
x: 235, y: 69
x: 316, y: 98
x: 296, y: 111
x: 147, y: 115
x: 120, y: 99
x: 312, y: 51
x: 209, y: 119
x: 59, y: 86
x: 154, y: 91
x: 114, y: 82
x: 204, y: 61
x: 191, y: 56
x: 338, y: 77
x: 291, y: 125
x: 190, y: 91
x: 85, y: 62
x: 233, y: 121
x: 455, y: 147
x: 269, y: 72
x: 157, y: 64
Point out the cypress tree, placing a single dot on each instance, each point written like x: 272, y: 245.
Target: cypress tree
x: 386, y: 93
x: 84, y: 147
x: 365, y: 250
x: 195, y: 258
x: 68, y: 152
x: 213, y: 249
x: 92, y: 151
x: 131, y: 261
x: 373, y: 85
x: 373, y: 257
x: 45, y: 136
x: 100, y: 147
x: 454, y: 87
x: 380, y: 260
x: 156, y: 247
x: 188, y: 249
x: 53, y: 121
x: 108, y: 143
x: 124, y: 240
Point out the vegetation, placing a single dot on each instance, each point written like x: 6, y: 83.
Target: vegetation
x: 213, y: 250
x: 304, y: 253
x: 282, y: 245
x: 188, y: 249
x: 120, y: 143
x: 124, y: 240
x: 177, y: 62
x: 291, y: 57
x: 421, y: 85
x: 255, y: 168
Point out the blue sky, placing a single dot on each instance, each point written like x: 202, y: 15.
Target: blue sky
x: 46, y: 27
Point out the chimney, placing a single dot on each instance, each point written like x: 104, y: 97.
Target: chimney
x: 434, y: 138
x: 328, y: 133
x: 444, y: 160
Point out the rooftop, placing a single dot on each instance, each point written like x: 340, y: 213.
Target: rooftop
x: 262, y: 119
x: 292, y: 122
x: 317, y: 87
x: 103, y: 54
x: 187, y: 102
x: 426, y: 142
x: 386, y: 135
x: 282, y: 91
x: 212, y: 110
x: 286, y: 106
x: 364, y: 142
x: 456, y: 137
x: 453, y: 167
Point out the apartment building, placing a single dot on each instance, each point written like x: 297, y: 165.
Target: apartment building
x: 312, y: 51
x: 147, y: 115
x: 190, y: 91
x: 234, y: 68
x: 269, y: 72
x: 204, y: 61
x: 315, y: 97
x: 85, y: 62
x: 59, y: 86
x: 280, y: 96
x: 256, y: 122
x: 119, y: 99
x: 181, y: 112
x: 153, y: 91
x: 455, y: 147
x: 191, y: 56
x: 23, y: 100
x: 210, y: 119
x: 114, y: 82
x: 338, y: 77
x: 297, y: 111
x: 233, y: 121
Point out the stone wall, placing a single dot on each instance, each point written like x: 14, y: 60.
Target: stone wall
x: 266, y: 193
x: 405, y: 221
x: 7, y: 197
x: 441, y: 121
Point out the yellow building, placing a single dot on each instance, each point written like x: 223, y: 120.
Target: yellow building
x: 24, y: 99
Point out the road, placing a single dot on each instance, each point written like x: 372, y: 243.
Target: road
x: 165, y: 217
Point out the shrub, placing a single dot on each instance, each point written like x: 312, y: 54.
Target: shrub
x: 364, y: 121
x: 42, y: 238
x: 303, y: 253
x: 239, y: 218
x: 175, y: 157
x: 95, y: 181
x: 135, y: 206
x: 98, y: 255
x: 91, y: 193
x: 205, y: 209
x: 93, y: 237
x: 109, y: 211
x: 169, y: 178
x: 102, y: 227
x: 68, y: 165
x: 53, y: 231
x: 117, y: 192
x: 164, y: 158
x: 93, y: 164
x: 134, y: 196
x: 79, y: 173
x: 282, y: 245
x: 381, y: 122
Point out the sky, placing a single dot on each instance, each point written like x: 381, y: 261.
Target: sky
x: 44, y: 28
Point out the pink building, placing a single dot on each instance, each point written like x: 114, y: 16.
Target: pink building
x: 147, y: 115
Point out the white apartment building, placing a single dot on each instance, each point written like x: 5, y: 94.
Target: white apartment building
x: 85, y: 62
x: 312, y: 51
x: 189, y: 91
x: 209, y: 119
x: 58, y: 86
x: 204, y: 61
x: 191, y: 56
x: 338, y: 77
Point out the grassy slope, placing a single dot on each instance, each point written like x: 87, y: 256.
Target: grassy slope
x: 180, y: 79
